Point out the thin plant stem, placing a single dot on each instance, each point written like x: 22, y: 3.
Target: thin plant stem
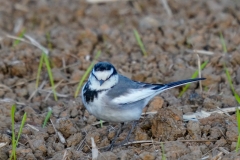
x: 86, y: 74
x: 140, y: 43
x: 47, y: 117
x: 39, y: 70
x: 195, y: 74
x: 46, y: 60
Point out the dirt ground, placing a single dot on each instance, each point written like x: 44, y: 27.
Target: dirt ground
x: 73, y: 32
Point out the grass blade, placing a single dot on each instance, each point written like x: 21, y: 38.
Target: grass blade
x: 238, y: 119
x: 21, y: 127
x: 163, y: 152
x: 229, y: 79
x: 39, y: 70
x: 86, y: 74
x: 49, y: 40
x: 238, y: 124
x: 101, y: 123
x: 17, y: 41
x: 238, y: 142
x: 223, y: 43
x: 139, y: 41
x: 231, y: 84
x: 195, y: 74
x: 50, y: 75
x: 13, y: 154
x: 47, y: 117
x: 14, y: 140
x: 44, y: 58
x: 227, y: 72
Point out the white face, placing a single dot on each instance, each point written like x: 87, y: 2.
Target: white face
x: 101, y: 80
x: 103, y: 75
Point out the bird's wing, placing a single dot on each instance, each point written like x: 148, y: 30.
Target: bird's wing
x: 134, y: 95
x: 128, y: 91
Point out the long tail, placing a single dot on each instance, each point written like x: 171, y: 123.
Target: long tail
x: 176, y: 84
x: 183, y: 82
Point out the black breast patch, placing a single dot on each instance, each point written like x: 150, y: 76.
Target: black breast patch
x: 89, y: 94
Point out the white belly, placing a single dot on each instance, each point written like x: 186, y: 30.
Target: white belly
x: 102, y: 110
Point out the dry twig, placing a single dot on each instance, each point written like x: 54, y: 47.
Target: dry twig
x: 59, y: 134
x: 199, y: 72
x: 167, y: 8
x: 2, y: 144
x: 65, y: 155
x: 200, y: 52
x: 32, y: 127
x: 34, y: 92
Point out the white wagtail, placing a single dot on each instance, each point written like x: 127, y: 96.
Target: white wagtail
x: 112, y: 97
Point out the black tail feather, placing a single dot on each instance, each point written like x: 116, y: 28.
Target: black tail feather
x: 180, y: 83
x: 175, y: 84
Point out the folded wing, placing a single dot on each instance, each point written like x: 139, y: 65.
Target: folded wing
x: 128, y: 91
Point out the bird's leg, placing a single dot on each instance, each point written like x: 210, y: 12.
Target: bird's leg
x: 118, y: 133
x: 128, y: 136
x: 114, y: 139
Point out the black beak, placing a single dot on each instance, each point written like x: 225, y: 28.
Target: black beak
x: 101, y: 82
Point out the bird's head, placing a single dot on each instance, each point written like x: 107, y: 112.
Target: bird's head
x: 103, y: 76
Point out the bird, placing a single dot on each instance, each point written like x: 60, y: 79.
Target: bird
x: 112, y: 97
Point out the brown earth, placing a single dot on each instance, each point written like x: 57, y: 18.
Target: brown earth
x: 73, y: 32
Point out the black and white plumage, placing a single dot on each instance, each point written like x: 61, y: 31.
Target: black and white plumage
x: 112, y: 97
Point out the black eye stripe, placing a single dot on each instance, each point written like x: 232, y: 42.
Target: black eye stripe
x: 108, y: 78
x: 104, y: 80
x: 95, y: 76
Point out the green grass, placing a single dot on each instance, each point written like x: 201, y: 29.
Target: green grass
x: 238, y: 124
x: 223, y: 43
x: 49, y: 70
x: 195, y: 74
x: 206, y: 88
x: 163, y: 152
x: 39, y: 70
x: 14, y: 140
x: 231, y: 85
x: 233, y: 90
x: 139, y: 41
x: 86, y: 74
x: 47, y: 117
x: 17, y: 41
x: 44, y: 59
x: 49, y: 41
x: 101, y: 123
x: 227, y: 72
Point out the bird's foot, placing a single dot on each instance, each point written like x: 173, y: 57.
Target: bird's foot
x: 126, y: 140
x: 107, y: 148
x: 110, y: 147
